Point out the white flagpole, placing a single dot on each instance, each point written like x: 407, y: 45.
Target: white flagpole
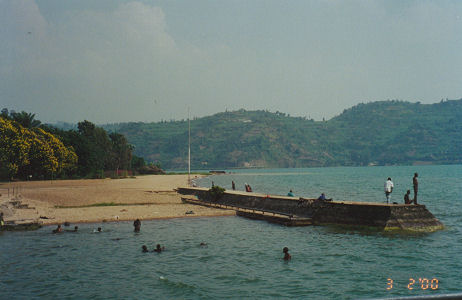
x: 189, y: 148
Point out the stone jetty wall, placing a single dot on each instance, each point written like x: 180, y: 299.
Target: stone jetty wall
x: 379, y: 215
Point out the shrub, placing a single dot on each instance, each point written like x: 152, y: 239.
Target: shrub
x: 215, y: 192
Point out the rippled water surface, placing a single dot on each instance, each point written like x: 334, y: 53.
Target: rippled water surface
x: 242, y: 258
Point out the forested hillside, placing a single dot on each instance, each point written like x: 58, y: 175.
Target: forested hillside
x: 386, y: 132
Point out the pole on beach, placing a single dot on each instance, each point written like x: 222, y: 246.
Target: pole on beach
x: 189, y: 148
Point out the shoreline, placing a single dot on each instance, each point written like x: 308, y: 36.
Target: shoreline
x: 148, y: 197
x: 143, y: 220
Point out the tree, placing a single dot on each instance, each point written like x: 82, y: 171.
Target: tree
x: 137, y: 162
x: 65, y: 157
x: 4, y: 114
x: 25, y: 152
x: 95, y: 149
x: 13, y: 148
x: 86, y: 128
x: 121, y: 150
x: 27, y: 120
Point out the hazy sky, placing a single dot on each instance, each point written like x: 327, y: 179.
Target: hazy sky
x: 115, y: 61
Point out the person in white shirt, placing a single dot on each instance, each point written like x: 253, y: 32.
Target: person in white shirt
x: 388, y: 189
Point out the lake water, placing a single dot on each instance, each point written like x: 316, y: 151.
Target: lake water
x: 243, y: 258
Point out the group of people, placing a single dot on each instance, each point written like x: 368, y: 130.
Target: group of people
x: 233, y: 186
x: 59, y: 229
x: 389, y: 189
x: 158, y: 249
x: 322, y: 197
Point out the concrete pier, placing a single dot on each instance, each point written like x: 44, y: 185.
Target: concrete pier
x: 378, y: 215
x: 255, y: 213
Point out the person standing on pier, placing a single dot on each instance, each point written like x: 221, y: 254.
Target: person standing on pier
x: 388, y: 189
x: 415, y: 183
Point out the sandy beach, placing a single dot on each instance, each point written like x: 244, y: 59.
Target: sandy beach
x: 99, y: 200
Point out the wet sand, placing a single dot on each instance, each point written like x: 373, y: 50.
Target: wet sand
x: 145, y: 197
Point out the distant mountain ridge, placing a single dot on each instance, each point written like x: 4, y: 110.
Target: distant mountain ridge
x: 376, y: 133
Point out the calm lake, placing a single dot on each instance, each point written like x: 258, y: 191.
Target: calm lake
x: 243, y: 258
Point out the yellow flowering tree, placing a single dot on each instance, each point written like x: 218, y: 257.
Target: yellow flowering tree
x: 13, y: 148
x: 62, y: 158
x: 33, y: 151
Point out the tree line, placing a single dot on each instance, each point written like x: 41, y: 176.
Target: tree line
x: 374, y: 133
x: 32, y: 150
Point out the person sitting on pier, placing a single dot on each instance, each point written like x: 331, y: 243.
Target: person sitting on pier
x: 286, y: 253
x: 290, y: 194
x: 58, y: 229
x: 406, y: 197
x: 322, y: 197
x: 248, y: 188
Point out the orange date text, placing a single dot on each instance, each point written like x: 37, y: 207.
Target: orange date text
x: 414, y: 283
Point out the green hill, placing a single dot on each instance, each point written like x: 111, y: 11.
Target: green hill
x: 385, y: 132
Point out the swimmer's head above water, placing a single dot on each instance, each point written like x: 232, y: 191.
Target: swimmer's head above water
x: 287, y: 256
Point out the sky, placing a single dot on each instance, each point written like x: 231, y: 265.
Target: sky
x: 120, y: 61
